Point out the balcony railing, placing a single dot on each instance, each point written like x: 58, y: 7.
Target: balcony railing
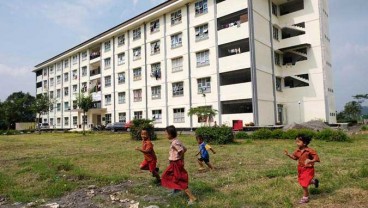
x: 94, y: 55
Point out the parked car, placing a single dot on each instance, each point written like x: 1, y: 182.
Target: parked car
x: 128, y: 125
x: 118, y: 126
x: 108, y: 126
x: 43, y: 125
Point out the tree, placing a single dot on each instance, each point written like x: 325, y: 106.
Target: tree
x: 203, y: 113
x: 85, y: 103
x: 17, y: 108
x: 352, y: 110
x: 361, y: 97
x: 41, y: 105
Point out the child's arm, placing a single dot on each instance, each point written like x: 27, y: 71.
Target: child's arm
x: 289, y: 155
x: 198, y: 153
x: 212, y: 150
x: 315, y: 158
x: 143, y: 151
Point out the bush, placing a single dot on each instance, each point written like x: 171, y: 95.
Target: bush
x: 242, y: 135
x: 331, y: 135
x: 290, y: 134
x: 216, y: 135
x: 262, y: 134
x: 10, y: 132
x: 277, y: 134
x: 138, y: 125
x: 364, y: 128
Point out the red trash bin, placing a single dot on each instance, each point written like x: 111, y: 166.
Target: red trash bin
x: 237, y: 125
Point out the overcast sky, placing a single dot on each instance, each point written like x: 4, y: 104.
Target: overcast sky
x: 33, y: 31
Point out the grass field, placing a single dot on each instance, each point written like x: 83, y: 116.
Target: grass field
x: 249, y: 173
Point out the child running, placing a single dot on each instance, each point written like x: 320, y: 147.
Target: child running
x: 175, y: 176
x: 306, y: 158
x: 150, y: 159
x: 203, y: 151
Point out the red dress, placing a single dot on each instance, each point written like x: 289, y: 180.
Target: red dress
x: 305, y: 172
x: 150, y: 159
x: 175, y: 176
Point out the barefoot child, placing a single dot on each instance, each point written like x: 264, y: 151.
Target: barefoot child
x: 306, y: 158
x: 175, y: 176
x: 150, y: 159
x: 203, y: 151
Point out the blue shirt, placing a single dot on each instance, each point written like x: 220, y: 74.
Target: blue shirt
x: 203, y: 150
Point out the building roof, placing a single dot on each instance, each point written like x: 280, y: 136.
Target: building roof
x: 142, y: 15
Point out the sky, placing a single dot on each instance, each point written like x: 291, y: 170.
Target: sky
x: 34, y: 31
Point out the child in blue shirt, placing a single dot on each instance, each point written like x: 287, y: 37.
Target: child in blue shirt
x: 203, y: 151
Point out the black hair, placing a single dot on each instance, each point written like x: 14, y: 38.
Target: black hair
x: 171, y: 130
x: 145, y: 129
x: 199, y: 137
x: 306, y: 139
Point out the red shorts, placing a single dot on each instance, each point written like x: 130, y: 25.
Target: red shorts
x: 305, y: 176
x: 148, y: 165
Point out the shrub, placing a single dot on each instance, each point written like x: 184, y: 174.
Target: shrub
x: 364, y: 128
x: 242, y: 135
x: 290, y: 134
x: 216, y: 135
x: 331, y: 135
x: 307, y: 132
x: 138, y: 125
x: 277, y: 134
x: 262, y: 134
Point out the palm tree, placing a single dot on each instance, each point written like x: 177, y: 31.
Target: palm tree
x: 204, y: 112
x: 85, y: 103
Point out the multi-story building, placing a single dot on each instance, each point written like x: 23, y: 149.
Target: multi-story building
x: 261, y: 61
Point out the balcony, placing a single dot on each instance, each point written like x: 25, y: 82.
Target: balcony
x: 236, y: 32
x: 294, y: 41
x: 234, y: 55
x: 95, y: 72
x: 95, y: 55
x: 236, y: 91
x: 228, y: 7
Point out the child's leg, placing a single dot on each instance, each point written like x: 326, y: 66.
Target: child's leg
x: 209, y: 165
x: 153, y: 169
x: 305, y: 192
x: 200, y: 162
x: 192, y: 198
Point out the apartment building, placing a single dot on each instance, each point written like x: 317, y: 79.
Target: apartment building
x: 265, y: 62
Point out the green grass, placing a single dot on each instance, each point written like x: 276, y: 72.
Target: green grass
x: 249, y: 173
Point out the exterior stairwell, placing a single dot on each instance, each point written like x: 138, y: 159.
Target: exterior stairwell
x: 298, y: 77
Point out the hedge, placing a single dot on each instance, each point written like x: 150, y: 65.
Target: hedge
x: 216, y: 135
x: 138, y: 125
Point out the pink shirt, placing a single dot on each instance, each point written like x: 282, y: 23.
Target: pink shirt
x: 176, y: 148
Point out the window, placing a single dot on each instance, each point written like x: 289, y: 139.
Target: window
x: 51, y: 108
x: 157, y: 116
x: 107, y: 45
x: 136, y: 53
x: 75, y: 88
x: 51, y: 82
x: 121, y: 40
x: 108, y: 99
x: 51, y: 94
x: 108, y: 118
x: 121, y: 97
x: 201, y: 7
x: 84, y: 87
x: 277, y: 59
x: 275, y: 33
x: 155, y: 26
x: 75, y: 104
x: 51, y: 70
x: 84, y: 71
x: 137, y: 74
x: 44, y: 72
x: 138, y: 114
x: 137, y: 95
x: 75, y: 75
x: 176, y: 40
x: 66, y: 63
x: 66, y: 106
x: 178, y: 89
x: 122, y: 117
x: 75, y: 59
x: 59, y: 66
x: 156, y: 70
x: 176, y: 17
x: 66, y: 91
x: 137, y: 34
x: 179, y: 115
x: 58, y: 107
x: 108, y: 81
x: 237, y: 106
x: 155, y: 47
x: 278, y: 84
x: 177, y: 64
x: 121, y: 78
x: 107, y: 63
x: 204, y: 85
x: 121, y: 58
x: 156, y: 92
x: 66, y: 77
x: 84, y: 55
x: 201, y: 32
x: 58, y: 80
x: 75, y: 120
x: 203, y: 58
x: 58, y: 121
x: 58, y: 93
x: 51, y: 122
x: 235, y: 77
x: 274, y: 9
x: 85, y: 118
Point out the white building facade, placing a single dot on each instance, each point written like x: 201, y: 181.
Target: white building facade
x: 258, y: 61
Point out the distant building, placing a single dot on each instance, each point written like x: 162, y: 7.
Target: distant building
x: 261, y: 61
